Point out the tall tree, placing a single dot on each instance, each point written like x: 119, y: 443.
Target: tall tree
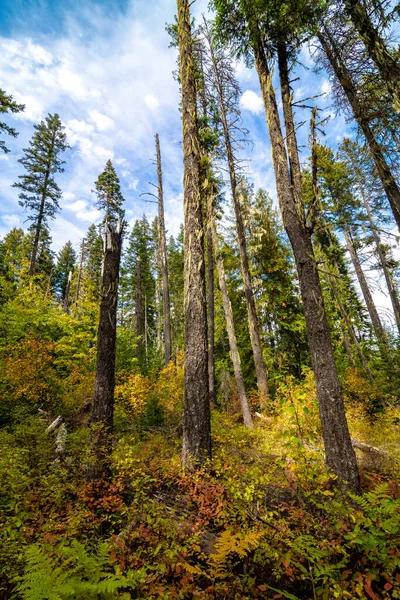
x: 344, y: 78
x: 109, y: 196
x: 93, y: 261
x: 103, y: 397
x: 242, y: 25
x: 163, y: 258
x: 386, y: 60
x: 40, y: 193
x: 138, y: 283
x: 356, y: 160
x: 196, y: 417
x: 227, y: 89
x: 8, y: 104
x: 230, y: 327
x: 336, y: 183
x: 66, y: 261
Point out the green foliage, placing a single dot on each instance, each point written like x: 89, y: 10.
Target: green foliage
x: 8, y: 104
x: 66, y: 261
x: 69, y: 570
x: 42, y: 162
x: 109, y: 196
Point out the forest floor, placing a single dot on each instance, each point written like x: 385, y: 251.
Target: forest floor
x: 265, y: 519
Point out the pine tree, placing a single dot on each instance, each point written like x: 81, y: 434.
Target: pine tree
x: 14, y: 261
x: 338, y: 66
x: 196, y: 416
x: 66, y: 261
x: 7, y: 104
x: 40, y: 193
x: 93, y: 261
x: 138, y: 285
x: 386, y: 60
x: 221, y: 76
x: 176, y: 284
x: 243, y: 26
x: 162, y: 248
x: 109, y: 196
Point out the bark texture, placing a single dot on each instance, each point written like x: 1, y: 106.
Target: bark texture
x: 163, y: 259
x: 196, y: 414
x: 233, y: 347
x: 385, y: 174
x: 103, y: 397
x: 340, y: 455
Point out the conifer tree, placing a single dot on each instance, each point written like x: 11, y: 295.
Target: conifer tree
x: 163, y: 258
x: 138, y: 285
x: 66, y: 261
x: 40, y: 194
x: 221, y: 76
x: 242, y: 25
x: 176, y: 284
x: 109, y: 196
x: 93, y: 260
x: 196, y: 418
x: 8, y: 104
x: 385, y: 59
x: 338, y: 66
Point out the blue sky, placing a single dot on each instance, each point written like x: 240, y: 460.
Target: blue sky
x: 106, y: 68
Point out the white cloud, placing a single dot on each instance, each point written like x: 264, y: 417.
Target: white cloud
x: 151, y: 101
x: 252, y: 102
x: 34, y: 109
x: 326, y: 86
x: 11, y: 221
x: 132, y: 185
x: 102, y: 122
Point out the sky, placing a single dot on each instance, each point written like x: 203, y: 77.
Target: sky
x: 107, y: 69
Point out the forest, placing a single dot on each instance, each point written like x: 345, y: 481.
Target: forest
x: 215, y: 413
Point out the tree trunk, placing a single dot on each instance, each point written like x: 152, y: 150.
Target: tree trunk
x: 385, y: 174
x: 348, y: 323
x: 347, y: 346
x: 79, y: 280
x: 382, y: 259
x: 210, y: 300
x: 340, y: 455
x: 163, y: 256
x: 377, y: 50
x: 247, y: 418
x: 67, y: 292
x: 373, y: 313
x: 196, y: 416
x: 139, y: 310
x: 261, y: 373
x: 291, y: 138
x: 103, y: 397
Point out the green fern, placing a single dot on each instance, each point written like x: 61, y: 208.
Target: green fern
x: 70, y: 572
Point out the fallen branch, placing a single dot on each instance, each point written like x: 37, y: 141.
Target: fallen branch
x: 56, y: 423
x: 369, y: 449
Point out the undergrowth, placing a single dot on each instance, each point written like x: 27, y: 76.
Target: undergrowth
x: 263, y: 520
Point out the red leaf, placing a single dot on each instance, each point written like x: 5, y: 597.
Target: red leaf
x: 262, y: 588
x: 387, y: 586
x: 370, y: 592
